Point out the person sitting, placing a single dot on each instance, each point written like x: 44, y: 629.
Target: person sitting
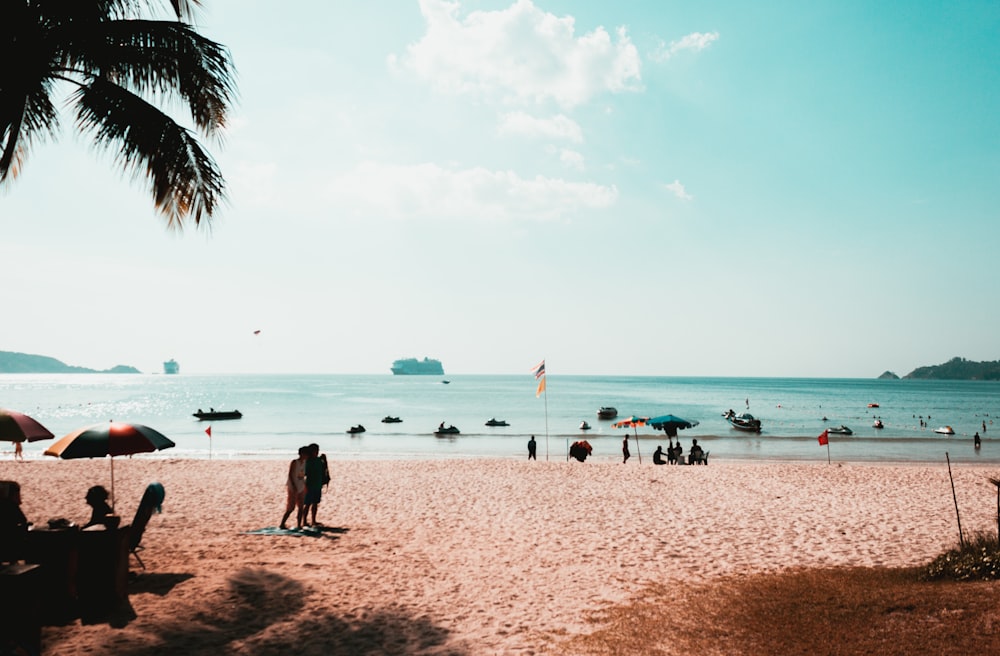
x: 658, y: 456
x: 13, y: 524
x: 678, y: 453
x: 101, y: 512
x: 697, y: 454
x: 671, y: 456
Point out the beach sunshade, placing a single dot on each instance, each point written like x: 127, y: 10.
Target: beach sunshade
x: 19, y: 427
x: 632, y: 422
x: 109, y: 439
x: 670, y: 424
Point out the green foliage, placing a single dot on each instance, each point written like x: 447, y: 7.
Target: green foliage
x: 977, y: 560
x: 958, y: 369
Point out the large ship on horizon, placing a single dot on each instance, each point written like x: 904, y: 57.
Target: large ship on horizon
x: 415, y: 367
x: 171, y: 367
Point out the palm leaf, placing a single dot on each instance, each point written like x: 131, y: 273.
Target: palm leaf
x: 184, y: 178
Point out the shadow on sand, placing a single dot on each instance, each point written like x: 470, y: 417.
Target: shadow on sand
x: 261, y: 612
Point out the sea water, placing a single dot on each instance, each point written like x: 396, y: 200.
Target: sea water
x: 283, y: 412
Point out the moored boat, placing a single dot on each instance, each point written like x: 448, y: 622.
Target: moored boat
x: 446, y: 430
x: 878, y: 424
x: 945, y: 430
x: 743, y: 421
x: 354, y: 430
x: 584, y: 425
x: 607, y: 412
x: 496, y: 422
x: 388, y: 419
x: 217, y: 415
x: 840, y: 430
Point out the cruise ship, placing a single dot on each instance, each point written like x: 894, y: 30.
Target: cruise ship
x: 171, y: 367
x: 415, y: 367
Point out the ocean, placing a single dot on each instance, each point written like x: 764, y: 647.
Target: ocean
x: 283, y: 412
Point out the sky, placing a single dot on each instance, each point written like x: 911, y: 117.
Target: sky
x: 718, y: 188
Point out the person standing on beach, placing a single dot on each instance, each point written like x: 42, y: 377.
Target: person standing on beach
x: 531, y: 448
x: 314, y: 485
x: 626, y: 455
x: 19, y: 451
x: 296, y: 487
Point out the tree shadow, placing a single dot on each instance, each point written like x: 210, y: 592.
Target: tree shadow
x: 156, y: 583
x: 262, y: 613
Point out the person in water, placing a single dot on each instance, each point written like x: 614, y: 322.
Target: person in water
x: 976, y: 440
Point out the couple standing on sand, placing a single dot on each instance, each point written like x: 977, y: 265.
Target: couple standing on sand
x: 307, y: 476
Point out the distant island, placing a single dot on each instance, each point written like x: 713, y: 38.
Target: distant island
x: 957, y: 369
x: 888, y: 375
x: 26, y: 363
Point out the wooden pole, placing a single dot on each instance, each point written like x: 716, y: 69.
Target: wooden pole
x: 961, y: 538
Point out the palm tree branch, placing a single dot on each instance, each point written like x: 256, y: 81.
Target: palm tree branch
x: 160, y: 57
x: 185, y: 180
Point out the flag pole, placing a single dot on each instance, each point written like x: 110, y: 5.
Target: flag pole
x: 828, y: 451
x: 546, y: 423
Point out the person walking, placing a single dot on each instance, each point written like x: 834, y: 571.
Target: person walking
x: 532, y: 446
x: 626, y: 455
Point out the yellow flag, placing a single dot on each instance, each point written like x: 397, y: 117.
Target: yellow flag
x: 541, y: 387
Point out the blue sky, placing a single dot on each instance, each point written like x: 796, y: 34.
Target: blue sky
x: 648, y: 188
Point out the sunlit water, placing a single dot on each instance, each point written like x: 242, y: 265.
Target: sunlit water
x: 282, y: 412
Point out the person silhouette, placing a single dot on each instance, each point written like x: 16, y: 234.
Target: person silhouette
x: 531, y: 448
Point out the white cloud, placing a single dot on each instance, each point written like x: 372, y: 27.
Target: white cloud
x: 677, y: 189
x: 571, y: 159
x: 695, y: 41
x: 430, y: 191
x: 520, y: 54
x: 557, y: 127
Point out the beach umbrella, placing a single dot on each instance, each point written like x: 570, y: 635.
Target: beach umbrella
x: 670, y: 423
x: 112, y: 438
x: 633, y: 422
x: 19, y: 427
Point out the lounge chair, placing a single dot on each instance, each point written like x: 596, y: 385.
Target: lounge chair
x: 152, y: 499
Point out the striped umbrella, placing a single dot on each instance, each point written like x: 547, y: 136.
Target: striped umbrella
x: 633, y: 422
x: 112, y: 438
x: 19, y: 427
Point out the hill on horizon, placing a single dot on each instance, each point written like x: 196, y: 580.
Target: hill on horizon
x: 958, y: 369
x: 26, y: 363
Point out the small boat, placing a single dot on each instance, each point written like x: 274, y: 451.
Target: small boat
x: 446, y: 430
x: 496, y: 422
x: 354, y: 430
x: 584, y: 425
x: 743, y: 421
x: 391, y: 420
x: 607, y: 412
x: 945, y: 430
x: 840, y: 430
x: 217, y: 415
x: 873, y: 405
x: 446, y: 382
x: 878, y: 424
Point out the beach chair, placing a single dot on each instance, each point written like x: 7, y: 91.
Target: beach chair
x: 699, y: 460
x: 152, y: 499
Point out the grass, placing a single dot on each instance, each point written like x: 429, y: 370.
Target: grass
x: 830, y: 611
x: 978, y: 559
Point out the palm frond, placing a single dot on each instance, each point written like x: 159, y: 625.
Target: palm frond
x: 161, y: 57
x: 26, y: 116
x: 185, y: 180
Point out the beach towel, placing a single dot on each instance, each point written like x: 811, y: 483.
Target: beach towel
x: 304, y: 532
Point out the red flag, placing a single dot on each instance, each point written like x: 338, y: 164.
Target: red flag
x: 209, y: 431
x: 824, y: 438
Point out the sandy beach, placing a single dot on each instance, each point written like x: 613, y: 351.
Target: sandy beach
x: 476, y: 556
